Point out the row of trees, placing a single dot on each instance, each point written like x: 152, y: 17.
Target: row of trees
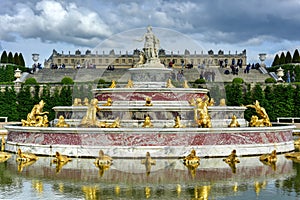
x: 286, y: 58
x: 9, y: 58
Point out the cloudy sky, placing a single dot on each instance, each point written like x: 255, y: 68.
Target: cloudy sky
x: 259, y: 26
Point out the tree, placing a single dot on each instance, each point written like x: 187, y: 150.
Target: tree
x: 10, y: 103
x: 275, y: 61
x: 21, y: 60
x: 234, y: 94
x: 3, y: 57
x: 288, y: 58
x: 282, y: 59
x: 10, y: 58
x: 16, y: 59
x: 25, y: 103
x: 296, y: 57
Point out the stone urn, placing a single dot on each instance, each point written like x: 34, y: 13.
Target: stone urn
x: 280, y: 74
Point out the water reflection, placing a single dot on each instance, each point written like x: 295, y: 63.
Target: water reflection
x: 167, y: 179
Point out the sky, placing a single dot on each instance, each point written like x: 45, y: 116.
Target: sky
x: 259, y: 26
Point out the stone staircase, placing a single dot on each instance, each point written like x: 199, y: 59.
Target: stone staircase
x: 83, y: 75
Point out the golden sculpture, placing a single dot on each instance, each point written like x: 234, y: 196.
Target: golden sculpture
x: 148, y: 102
x: 255, y: 122
x: 222, y: 102
x: 231, y: 160
x: 269, y: 159
x: 142, y: 59
x: 22, y: 164
x: 169, y: 84
x: 60, y: 161
x: 147, y: 122
x: 86, y: 101
x: 4, y: 156
x: 37, y: 117
x: 148, y: 161
x: 103, y: 159
x: 295, y: 156
x: 211, y: 102
x: 90, y: 119
x: 115, y: 124
x: 261, y: 112
x: 61, y: 122
x: 192, y: 102
x: 113, y: 84
x: 25, y: 157
x: 192, y: 158
x: 129, y: 84
x: 2, y: 143
x: 185, y: 84
x: 108, y: 102
x: 77, y: 102
x: 297, y: 142
x: 178, y: 123
x: 234, y: 122
x: 201, y: 115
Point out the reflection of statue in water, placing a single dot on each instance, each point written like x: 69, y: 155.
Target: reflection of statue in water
x: 37, y: 117
x: 261, y: 112
x: 151, y: 44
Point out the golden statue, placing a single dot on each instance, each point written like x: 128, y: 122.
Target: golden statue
x: 129, y: 84
x: 234, y: 122
x: 177, y: 122
x: 148, y: 102
x: 77, y: 102
x: 86, y: 101
x: 61, y: 122
x: 115, y: 124
x: 4, y: 156
x: 185, y: 84
x: 201, y: 115
x: 37, y: 117
x: 211, y: 102
x: 295, y: 156
x: 108, y: 102
x: 261, y: 112
x: 90, y: 119
x: 192, y: 162
x: 113, y: 84
x: 147, y: 122
x: 60, y: 161
x: 142, y: 59
x: 103, y: 162
x: 231, y: 160
x: 25, y: 157
x: 255, y: 122
x: 222, y: 102
x: 169, y: 84
x: 269, y: 159
x: 192, y: 102
x: 148, y: 161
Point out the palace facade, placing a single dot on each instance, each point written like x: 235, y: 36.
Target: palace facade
x: 98, y: 60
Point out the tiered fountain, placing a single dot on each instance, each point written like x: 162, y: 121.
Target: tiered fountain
x: 149, y: 114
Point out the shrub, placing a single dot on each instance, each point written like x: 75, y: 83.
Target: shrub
x: 270, y: 80
x: 101, y: 81
x: 200, y: 81
x: 238, y: 80
x: 30, y: 81
x: 67, y: 81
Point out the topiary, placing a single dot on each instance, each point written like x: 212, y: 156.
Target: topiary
x: 30, y: 81
x: 238, y: 80
x: 67, y: 81
x: 200, y: 81
x: 270, y: 80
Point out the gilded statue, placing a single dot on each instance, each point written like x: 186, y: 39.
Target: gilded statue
x: 185, y: 84
x: 108, y: 102
x: 232, y: 160
x: 60, y: 161
x: 222, y: 102
x: 211, y: 102
x: 148, y: 102
x: 234, y: 122
x: 142, y: 59
x: 103, y: 162
x: 62, y: 123
x: 169, y: 84
x: 113, y: 84
x: 4, y: 156
x: 178, y: 123
x: 192, y: 102
x: 26, y: 157
x: 37, y: 117
x: 147, y: 122
x: 201, y: 115
x: 115, y: 124
x: 255, y: 122
x: 261, y: 112
x: 90, y: 119
x: 129, y: 84
x: 77, y: 102
x: 192, y: 162
x: 85, y: 101
x: 269, y: 159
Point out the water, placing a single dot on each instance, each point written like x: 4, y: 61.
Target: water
x: 168, y: 179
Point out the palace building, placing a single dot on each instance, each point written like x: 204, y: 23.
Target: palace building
x: 176, y: 60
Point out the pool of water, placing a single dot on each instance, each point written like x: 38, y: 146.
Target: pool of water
x: 167, y: 179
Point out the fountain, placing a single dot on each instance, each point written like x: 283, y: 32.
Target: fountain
x: 149, y: 114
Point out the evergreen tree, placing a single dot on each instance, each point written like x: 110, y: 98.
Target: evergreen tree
x: 36, y: 97
x: 282, y: 59
x: 46, y: 96
x: 297, y: 101
x: 288, y: 58
x: 21, y: 60
x: 275, y: 61
x: 66, y: 96
x: 10, y: 103
x: 270, y: 96
x: 234, y: 94
x: 25, y: 103
x: 10, y: 58
x: 296, y: 57
x: 3, y: 57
